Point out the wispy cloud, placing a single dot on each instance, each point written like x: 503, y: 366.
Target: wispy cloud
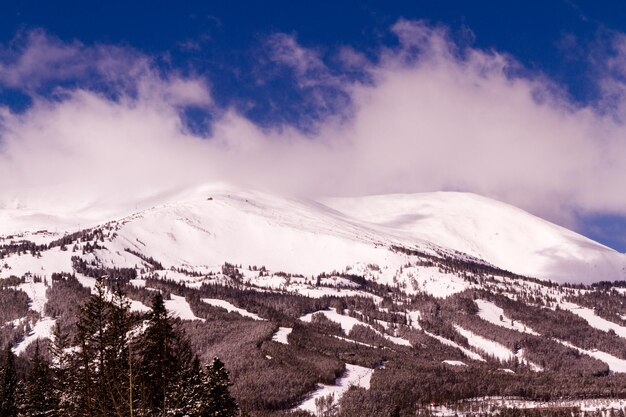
x: 307, y: 64
x: 35, y: 60
x: 36, y: 63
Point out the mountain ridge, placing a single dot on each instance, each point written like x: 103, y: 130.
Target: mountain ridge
x: 347, y: 229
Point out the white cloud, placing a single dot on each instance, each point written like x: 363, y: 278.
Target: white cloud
x: 34, y: 59
x: 307, y: 64
x: 432, y: 116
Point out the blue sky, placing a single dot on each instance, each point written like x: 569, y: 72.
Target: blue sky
x: 274, y: 66
x: 218, y: 38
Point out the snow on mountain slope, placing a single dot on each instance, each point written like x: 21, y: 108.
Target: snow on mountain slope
x: 470, y: 354
x: 593, y: 319
x: 201, y: 228
x: 179, y: 307
x: 50, y: 261
x: 490, y: 312
x: 231, y: 308
x: 282, y: 334
x: 348, y: 322
x: 498, y: 233
x: 43, y: 329
x: 44, y: 218
x: 615, y: 364
x: 251, y: 228
x: 357, y: 376
x: 493, y: 348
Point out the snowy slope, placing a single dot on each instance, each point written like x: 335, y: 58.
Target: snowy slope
x: 490, y: 312
x: 498, y: 233
x: 348, y: 322
x: 593, y: 319
x: 357, y: 376
x: 206, y: 228
x: 231, y: 308
x: 203, y: 227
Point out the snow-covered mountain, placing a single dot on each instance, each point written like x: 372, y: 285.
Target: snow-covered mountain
x: 375, y: 289
x: 207, y: 226
x: 498, y: 233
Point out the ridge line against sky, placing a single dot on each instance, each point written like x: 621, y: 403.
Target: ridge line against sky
x: 418, y: 106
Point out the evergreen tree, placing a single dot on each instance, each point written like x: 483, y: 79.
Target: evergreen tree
x: 37, y: 394
x: 90, y: 384
x: 95, y: 378
x: 117, y: 361
x: 157, y: 360
x: 8, y: 385
x: 61, y: 371
x: 217, y: 401
x: 187, y: 395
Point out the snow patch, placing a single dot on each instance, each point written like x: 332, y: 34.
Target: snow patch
x: 281, y: 335
x: 41, y: 330
x: 490, y: 312
x: 354, y: 375
x: 494, y: 349
x: 615, y: 364
x: 36, y: 292
x: 231, y: 308
x: 179, y: 307
x: 470, y: 354
x: 347, y: 324
x: 139, y: 283
x: 593, y: 319
x: 454, y: 363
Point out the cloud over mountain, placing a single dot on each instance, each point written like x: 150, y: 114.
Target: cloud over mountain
x: 423, y: 115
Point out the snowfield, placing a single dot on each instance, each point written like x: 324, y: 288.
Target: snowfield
x: 615, y: 364
x: 434, y: 282
x: 470, y: 354
x: 36, y: 292
x: 346, y: 322
x: 489, y: 230
x: 454, y: 363
x: 212, y: 227
x: 201, y: 228
x: 53, y: 260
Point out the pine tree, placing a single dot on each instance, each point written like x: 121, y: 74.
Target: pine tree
x: 89, y: 379
x: 8, y: 385
x: 61, y: 371
x: 187, y: 394
x: 217, y: 401
x: 117, y: 355
x: 37, y: 394
x: 157, y: 363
